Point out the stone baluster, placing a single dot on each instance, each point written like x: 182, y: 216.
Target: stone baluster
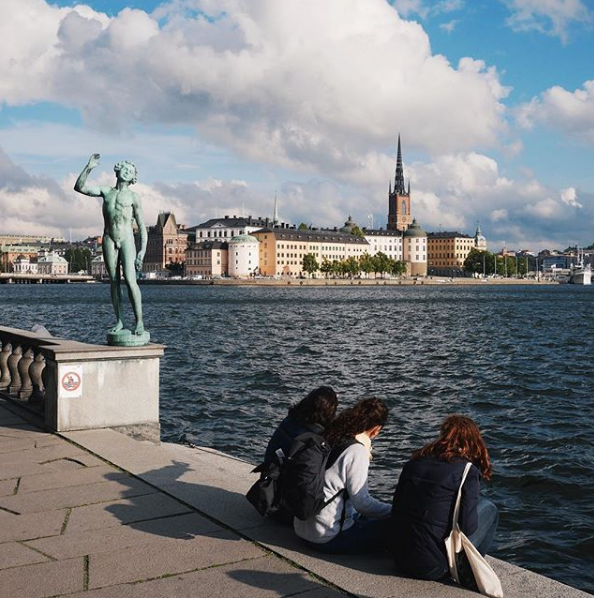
x: 36, y: 373
x: 26, y: 388
x: 4, y: 371
x: 13, y: 367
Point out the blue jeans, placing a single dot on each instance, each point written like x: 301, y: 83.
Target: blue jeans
x: 365, y: 535
x: 488, y: 517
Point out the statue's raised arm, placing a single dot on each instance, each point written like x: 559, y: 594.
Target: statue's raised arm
x: 81, y: 182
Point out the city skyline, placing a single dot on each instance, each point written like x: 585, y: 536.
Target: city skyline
x: 222, y: 104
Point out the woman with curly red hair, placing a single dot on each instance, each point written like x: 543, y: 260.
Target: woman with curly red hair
x: 424, y: 499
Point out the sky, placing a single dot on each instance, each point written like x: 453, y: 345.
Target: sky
x: 223, y: 104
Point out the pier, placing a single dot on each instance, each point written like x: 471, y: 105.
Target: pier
x: 12, y: 278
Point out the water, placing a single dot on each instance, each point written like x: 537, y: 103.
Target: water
x: 517, y: 359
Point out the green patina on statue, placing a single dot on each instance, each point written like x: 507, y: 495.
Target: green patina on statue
x: 121, y: 207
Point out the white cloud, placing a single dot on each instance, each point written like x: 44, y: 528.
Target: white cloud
x: 301, y: 84
x: 449, y: 26
x: 569, y: 197
x: 553, y: 17
x: 498, y: 215
x: 424, y: 9
x: 570, y: 112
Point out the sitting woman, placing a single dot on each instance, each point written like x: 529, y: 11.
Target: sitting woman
x: 353, y: 521
x: 312, y: 414
x: 425, y: 496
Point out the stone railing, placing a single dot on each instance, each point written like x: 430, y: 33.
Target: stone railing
x: 76, y: 386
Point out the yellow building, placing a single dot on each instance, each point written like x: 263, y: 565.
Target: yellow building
x: 447, y: 252
x: 282, y: 248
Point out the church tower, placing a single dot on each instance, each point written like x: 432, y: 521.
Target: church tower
x: 399, y: 208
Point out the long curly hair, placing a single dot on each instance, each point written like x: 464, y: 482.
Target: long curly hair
x: 318, y: 407
x: 459, y: 438
x: 366, y: 414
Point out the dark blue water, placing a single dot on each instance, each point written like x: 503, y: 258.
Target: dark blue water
x: 517, y: 359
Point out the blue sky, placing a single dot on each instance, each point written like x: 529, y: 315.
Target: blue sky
x: 223, y: 103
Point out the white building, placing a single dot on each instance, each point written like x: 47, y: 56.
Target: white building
x: 24, y: 264
x: 52, y: 264
x: 388, y: 242
x: 98, y: 269
x: 414, y: 249
x: 223, y: 229
x: 243, y: 256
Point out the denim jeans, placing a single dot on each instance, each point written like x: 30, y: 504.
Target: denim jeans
x: 488, y: 517
x: 365, y: 535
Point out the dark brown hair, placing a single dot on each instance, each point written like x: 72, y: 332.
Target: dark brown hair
x: 366, y: 414
x: 318, y: 407
x: 459, y: 438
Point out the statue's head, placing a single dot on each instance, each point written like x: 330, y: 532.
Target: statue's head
x: 126, y: 171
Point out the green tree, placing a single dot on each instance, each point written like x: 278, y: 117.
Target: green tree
x: 366, y: 264
x: 310, y: 264
x: 351, y: 266
x: 381, y: 263
x: 303, y: 226
x: 326, y: 267
x: 175, y: 268
x: 337, y: 268
x: 357, y: 232
x: 1, y: 263
x: 79, y: 259
x: 479, y: 261
x: 397, y: 268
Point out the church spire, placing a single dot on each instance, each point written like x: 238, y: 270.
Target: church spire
x: 399, y: 179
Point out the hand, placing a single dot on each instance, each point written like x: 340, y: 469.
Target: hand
x: 94, y: 160
x: 138, y: 261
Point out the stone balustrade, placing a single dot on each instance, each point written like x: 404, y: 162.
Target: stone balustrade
x: 78, y: 386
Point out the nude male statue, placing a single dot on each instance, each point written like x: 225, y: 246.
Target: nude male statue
x: 120, y: 207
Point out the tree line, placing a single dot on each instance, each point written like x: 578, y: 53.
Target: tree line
x: 485, y: 262
x: 353, y: 266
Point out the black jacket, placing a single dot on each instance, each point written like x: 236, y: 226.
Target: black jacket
x: 422, y: 511
x: 284, y: 435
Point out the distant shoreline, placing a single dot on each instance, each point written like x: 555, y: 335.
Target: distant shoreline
x: 319, y: 282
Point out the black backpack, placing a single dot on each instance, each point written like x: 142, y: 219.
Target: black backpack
x: 296, y: 486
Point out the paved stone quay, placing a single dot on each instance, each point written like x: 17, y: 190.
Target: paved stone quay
x: 97, y: 514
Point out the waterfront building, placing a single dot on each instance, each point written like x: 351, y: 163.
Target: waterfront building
x: 167, y: 243
x: 25, y: 264
x: 223, y: 229
x: 414, y: 250
x: 282, y: 248
x: 388, y: 242
x: 51, y: 264
x: 8, y: 239
x: 480, y: 241
x: 399, y: 200
x: 447, y: 252
x: 207, y: 259
x: 98, y: 269
x: 243, y: 256
x: 12, y: 252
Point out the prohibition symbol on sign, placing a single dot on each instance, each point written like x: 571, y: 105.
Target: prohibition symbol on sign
x: 71, y: 381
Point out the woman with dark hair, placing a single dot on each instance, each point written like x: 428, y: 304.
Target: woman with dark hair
x: 312, y: 414
x: 424, y: 499
x: 352, y: 521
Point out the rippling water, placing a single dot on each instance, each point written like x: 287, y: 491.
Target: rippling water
x: 517, y: 359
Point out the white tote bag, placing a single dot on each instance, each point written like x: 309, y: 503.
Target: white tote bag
x: 486, y: 579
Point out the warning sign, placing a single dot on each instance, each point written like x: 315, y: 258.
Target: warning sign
x: 71, y: 381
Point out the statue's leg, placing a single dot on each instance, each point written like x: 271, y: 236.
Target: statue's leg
x: 128, y: 255
x: 110, y: 256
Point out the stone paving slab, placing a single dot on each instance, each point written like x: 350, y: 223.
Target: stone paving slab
x: 175, y: 556
x: 8, y: 444
x: 89, y: 542
x: 130, y: 510
x: 216, y: 484
x: 262, y: 577
x: 7, y: 487
x: 62, y: 479
x: 44, y: 454
x: 13, y: 554
x: 72, y: 496
x: 22, y: 431
x: 31, y: 525
x: 43, y: 580
x: 13, y: 469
